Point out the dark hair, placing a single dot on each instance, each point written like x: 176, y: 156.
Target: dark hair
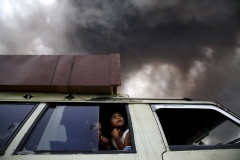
x: 119, y: 111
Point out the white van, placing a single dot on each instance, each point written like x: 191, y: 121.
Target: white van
x: 51, y: 108
x: 59, y: 126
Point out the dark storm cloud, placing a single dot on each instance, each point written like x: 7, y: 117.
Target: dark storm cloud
x: 168, y: 48
x: 174, y: 29
x: 178, y: 33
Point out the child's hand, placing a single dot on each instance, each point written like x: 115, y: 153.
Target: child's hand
x: 115, y: 132
x: 103, y: 140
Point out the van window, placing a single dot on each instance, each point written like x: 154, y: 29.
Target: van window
x: 65, y: 128
x: 11, y: 116
x: 70, y: 128
x: 198, y: 128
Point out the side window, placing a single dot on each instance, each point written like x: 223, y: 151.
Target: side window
x: 70, y: 128
x: 11, y: 116
x: 67, y: 128
x: 198, y: 129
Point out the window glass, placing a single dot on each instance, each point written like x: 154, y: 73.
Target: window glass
x: 197, y: 127
x: 65, y: 128
x: 11, y: 115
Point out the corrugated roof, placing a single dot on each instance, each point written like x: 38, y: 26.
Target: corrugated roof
x: 60, y: 73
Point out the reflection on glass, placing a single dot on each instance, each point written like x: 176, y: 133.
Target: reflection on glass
x: 11, y: 115
x: 68, y: 128
x: 222, y: 134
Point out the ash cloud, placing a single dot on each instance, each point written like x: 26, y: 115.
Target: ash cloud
x: 168, y: 48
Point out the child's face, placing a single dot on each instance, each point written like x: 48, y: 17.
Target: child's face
x: 117, y: 120
x: 99, y: 129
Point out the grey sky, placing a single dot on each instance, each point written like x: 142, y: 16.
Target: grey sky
x: 183, y: 48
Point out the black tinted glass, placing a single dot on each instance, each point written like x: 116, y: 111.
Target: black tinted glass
x: 197, y: 127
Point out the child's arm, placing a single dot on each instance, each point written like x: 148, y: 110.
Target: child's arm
x: 120, y: 145
x: 115, y: 134
x: 127, y: 141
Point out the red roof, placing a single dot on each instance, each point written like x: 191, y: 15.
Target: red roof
x: 60, y: 73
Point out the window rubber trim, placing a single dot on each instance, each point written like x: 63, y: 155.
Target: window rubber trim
x: 208, y: 147
x: 133, y: 146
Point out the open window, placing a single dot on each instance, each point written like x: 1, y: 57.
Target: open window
x: 12, y: 117
x: 197, y: 128
x: 70, y: 128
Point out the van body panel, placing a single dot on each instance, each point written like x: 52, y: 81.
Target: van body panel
x: 148, y: 135
x: 148, y: 142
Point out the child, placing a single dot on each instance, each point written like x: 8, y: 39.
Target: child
x: 120, y: 137
x: 103, y: 141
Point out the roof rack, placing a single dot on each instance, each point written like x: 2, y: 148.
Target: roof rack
x: 85, y: 74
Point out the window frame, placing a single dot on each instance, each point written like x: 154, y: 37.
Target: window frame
x: 13, y: 135
x: 44, y: 110
x: 230, y: 116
